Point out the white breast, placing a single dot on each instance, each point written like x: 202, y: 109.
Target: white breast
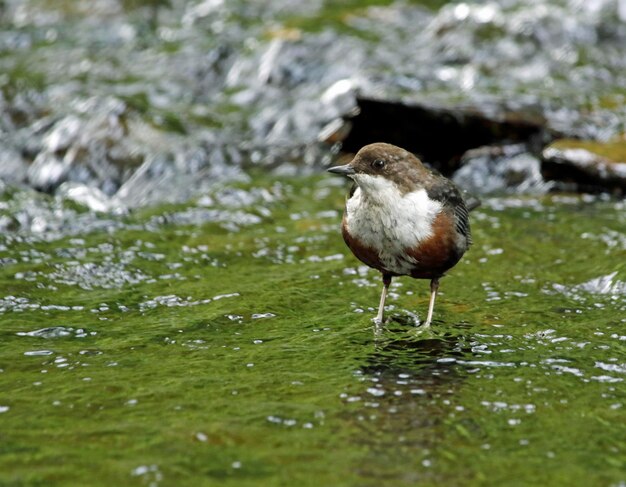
x: 384, y: 219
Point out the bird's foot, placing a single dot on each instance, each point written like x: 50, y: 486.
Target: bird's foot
x: 378, y: 321
x: 423, y: 331
x: 379, y: 326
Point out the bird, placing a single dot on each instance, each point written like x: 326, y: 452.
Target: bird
x: 403, y: 219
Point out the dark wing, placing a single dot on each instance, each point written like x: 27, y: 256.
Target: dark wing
x: 445, y: 191
x: 461, y: 215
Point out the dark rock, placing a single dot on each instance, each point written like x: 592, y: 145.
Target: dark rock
x: 441, y: 135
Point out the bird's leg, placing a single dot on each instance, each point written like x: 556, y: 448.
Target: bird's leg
x: 434, y: 285
x: 383, y: 296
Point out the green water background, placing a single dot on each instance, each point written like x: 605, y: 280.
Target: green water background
x: 209, y: 354
x: 228, y: 340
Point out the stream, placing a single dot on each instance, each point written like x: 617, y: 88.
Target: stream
x: 177, y: 305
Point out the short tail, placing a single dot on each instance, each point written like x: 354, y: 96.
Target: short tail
x: 471, y: 202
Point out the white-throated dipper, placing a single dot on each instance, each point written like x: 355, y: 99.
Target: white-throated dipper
x: 402, y: 218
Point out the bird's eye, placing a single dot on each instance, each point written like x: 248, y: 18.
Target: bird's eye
x: 378, y: 164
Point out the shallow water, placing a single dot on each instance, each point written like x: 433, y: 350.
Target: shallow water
x: 182, y: 346
x: 228, y: 340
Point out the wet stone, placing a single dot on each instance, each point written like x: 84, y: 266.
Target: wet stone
x: 445, y: 133
x: 501, y: 169
x: 589, y: 166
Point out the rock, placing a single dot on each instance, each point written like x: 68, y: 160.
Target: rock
x: 587, y: 165
x: 441, y: 135
x: 47, y: 171
x: 64, y: 134
x: 174, y: 179
x: 341, y: 96
x: 497, y: 169
x: 12, y: 166
x: 90, y: 146
x: 90, y: 197
x: 335, y: 131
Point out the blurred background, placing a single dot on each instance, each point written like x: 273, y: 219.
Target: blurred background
x: 122, y: 103
x: 177, y: 306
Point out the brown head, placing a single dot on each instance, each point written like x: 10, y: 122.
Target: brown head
x: 387, y: 162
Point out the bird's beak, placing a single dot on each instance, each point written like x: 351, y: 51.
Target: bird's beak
x: 345, y: 170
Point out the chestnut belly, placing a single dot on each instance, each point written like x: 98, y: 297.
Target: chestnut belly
x: 427, y: 259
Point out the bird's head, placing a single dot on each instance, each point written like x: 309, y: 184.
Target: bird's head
x: 381, y: 166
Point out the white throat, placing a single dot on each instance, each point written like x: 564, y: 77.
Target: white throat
x: 377, y: 188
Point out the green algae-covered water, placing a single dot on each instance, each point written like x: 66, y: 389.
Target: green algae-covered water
x: 229, y: 341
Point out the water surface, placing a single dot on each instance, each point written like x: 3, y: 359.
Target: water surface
x: 235, y: 347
